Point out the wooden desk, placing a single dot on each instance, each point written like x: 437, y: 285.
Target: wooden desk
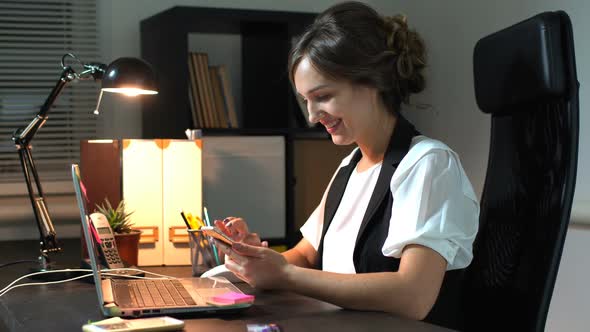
x: 66, y: 307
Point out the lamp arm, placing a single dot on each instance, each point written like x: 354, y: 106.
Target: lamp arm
x: 93, y: 70
x: 22, y: 138
x: 48, y: 240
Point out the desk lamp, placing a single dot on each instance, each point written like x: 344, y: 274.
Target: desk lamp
x: 129, y: 76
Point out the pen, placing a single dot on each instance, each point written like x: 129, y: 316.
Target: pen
x: 208, y: 223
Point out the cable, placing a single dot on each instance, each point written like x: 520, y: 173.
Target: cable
x: 19, y: 262
x: 106, y: 272
x: 44, y: 283
x: 41, y: 272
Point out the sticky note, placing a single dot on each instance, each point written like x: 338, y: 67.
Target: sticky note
x: 233, y: 298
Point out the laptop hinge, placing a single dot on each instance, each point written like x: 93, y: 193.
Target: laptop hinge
x: 107, y: 291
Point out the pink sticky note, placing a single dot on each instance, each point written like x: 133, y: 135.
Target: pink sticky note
x: 233, y: 298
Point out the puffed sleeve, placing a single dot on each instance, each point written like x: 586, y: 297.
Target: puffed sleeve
x: 433, y: 205
x: 312, y: 229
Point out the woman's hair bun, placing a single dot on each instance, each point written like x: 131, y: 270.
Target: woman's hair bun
x: 409, y: 53
x: 351, y: 41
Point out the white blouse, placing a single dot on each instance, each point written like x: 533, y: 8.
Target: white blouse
x: 434, y: 205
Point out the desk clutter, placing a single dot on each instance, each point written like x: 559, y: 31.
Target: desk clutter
x: 204, y: 254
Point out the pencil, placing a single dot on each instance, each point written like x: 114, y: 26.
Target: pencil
x: 185, y: 220
x: 196, y: 221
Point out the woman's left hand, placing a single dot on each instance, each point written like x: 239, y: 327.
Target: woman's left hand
x: 259, y: 266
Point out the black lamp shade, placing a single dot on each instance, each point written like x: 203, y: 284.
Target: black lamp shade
x: 129, y: 73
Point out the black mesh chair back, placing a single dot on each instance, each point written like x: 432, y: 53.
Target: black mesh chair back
x: 525, y: 78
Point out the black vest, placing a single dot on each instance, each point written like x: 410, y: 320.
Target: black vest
x: 367, y: 255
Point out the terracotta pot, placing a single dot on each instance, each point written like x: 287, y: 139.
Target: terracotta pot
x: 128, y: 246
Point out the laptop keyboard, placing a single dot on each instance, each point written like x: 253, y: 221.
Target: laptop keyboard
x: 153, y: 293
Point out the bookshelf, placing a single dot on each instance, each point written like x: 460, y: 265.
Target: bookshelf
x: 267, y: 105
x: 267, y: 100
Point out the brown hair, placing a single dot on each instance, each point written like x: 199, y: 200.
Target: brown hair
x: 352, y: 41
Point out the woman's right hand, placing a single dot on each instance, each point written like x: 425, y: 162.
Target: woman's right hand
x: 237, y: 229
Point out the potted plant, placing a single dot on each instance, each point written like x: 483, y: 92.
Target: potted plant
x: 126, y: 238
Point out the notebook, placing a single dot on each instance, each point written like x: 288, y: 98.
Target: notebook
x: 148, y: 297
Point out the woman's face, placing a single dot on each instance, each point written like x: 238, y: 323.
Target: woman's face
x: 347, y: 111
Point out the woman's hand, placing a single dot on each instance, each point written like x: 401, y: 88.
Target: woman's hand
x: 237, y: 229
x: 259, y: 266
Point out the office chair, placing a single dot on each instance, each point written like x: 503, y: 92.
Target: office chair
x: 525, y: 78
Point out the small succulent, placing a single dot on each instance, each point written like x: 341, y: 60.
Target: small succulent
x: 118, y: 218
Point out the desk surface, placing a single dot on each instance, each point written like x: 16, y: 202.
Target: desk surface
x: 66, y: 307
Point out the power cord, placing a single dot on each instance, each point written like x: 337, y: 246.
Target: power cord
x: 12, y: 285
x: 18, y: 262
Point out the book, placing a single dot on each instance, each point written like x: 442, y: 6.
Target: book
x: 218, y: 97
x: 210, y: 96
x: 201, y: 92
x: 228, y: 97
x: 196, y: 111
x: 208, y: 91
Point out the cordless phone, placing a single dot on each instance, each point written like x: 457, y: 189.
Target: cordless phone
x: 106, y: 240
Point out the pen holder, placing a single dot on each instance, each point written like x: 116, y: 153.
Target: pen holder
x: 203, y: 255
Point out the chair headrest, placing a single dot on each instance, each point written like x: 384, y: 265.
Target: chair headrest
x: 520, y: 64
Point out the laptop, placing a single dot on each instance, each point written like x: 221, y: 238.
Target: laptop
x: 148, y: 297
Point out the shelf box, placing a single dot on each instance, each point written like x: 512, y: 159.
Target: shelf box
x: 245, y: 176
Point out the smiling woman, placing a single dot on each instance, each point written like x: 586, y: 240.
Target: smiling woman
x: 399, y: 213
x: 333, y: 103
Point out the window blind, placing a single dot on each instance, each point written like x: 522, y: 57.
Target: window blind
x: 33, y: 37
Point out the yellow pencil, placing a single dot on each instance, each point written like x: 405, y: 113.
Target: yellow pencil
x: 199, y: 221
x: 194, y: 221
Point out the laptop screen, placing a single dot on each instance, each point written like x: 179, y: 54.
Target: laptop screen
x: 82, y: 199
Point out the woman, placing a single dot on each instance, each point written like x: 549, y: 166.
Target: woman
x: 399, y: 211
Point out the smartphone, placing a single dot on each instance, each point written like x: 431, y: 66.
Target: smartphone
x: 117, y: 324
x: 217, y: 234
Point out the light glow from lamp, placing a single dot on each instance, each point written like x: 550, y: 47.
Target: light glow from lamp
x: 131, y: 92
